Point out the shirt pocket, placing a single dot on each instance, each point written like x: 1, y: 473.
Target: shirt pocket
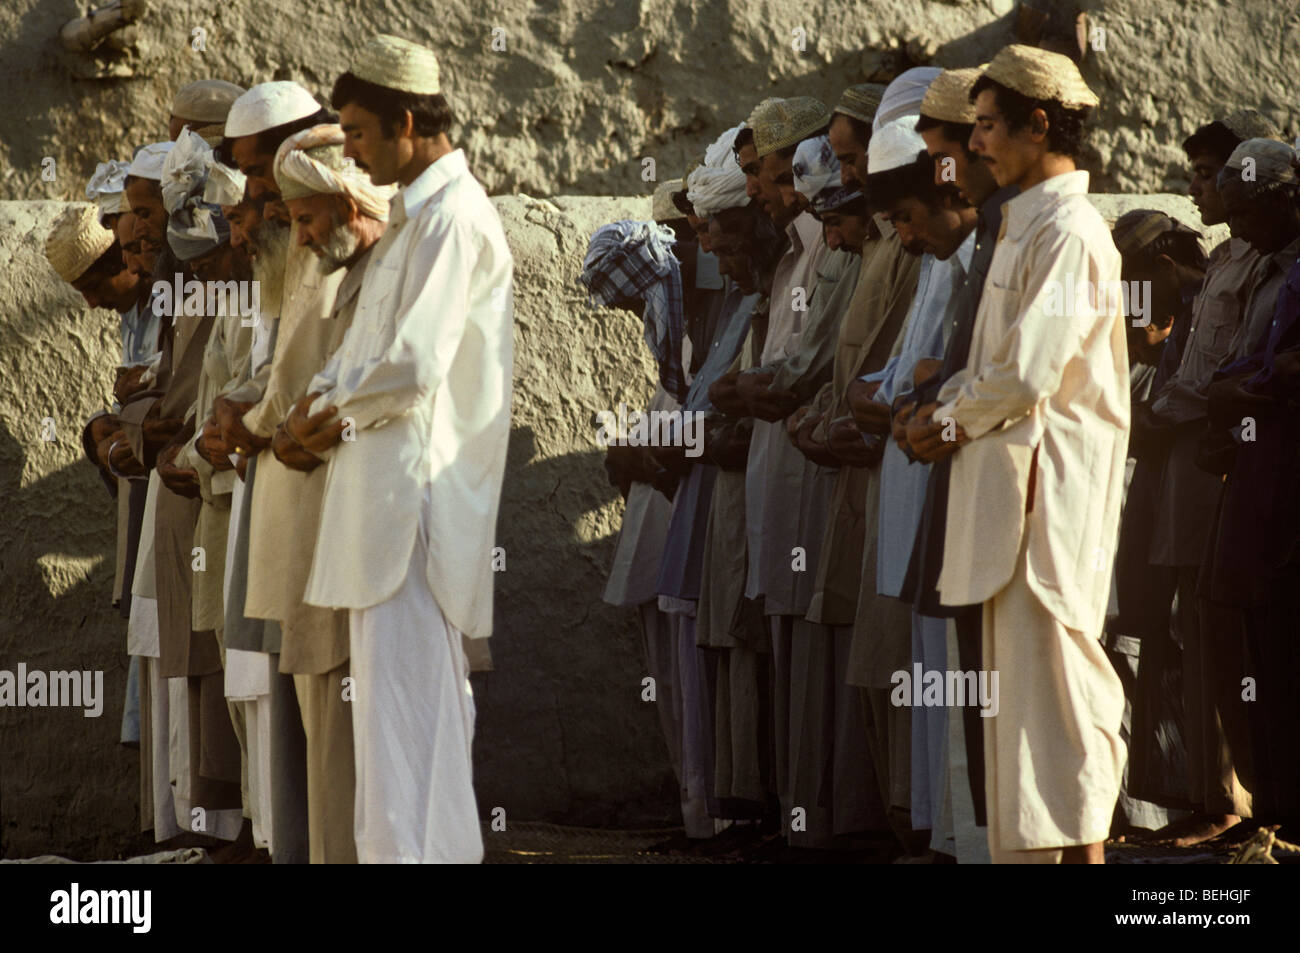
x: 1219, y: 320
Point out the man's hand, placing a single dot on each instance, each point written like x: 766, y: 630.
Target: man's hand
x: 898, y: 424
x: 230, y: 418
x: 765, y: 404
x: 870, y: 415
x: 926, y: 436
x: 291, y: 454
x: 925, y: 368
x: 212, y: 447
x: 183, y: 482
x: 157, y: 430
x: 724, y: 394
x: 128, y: 382
x: 815, y: 451
x: 313, y: 433
x: 115, y: 451
x: 845, y: 440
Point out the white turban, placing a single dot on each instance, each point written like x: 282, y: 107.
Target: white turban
x: 312, y: 161
x: 193, y: 227
x: 148, y: 161
x: 106, y: 185
x: 225, y: 185
x: 894, y: 145
x: 718, y: 184
x: 904, y: 95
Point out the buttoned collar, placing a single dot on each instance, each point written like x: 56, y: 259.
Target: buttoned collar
x: 409, y: 200
x: 1027, y: 207
x: 351, y: 283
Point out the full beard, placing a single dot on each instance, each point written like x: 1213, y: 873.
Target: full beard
x: 269, y: 265
x: 341, y: 245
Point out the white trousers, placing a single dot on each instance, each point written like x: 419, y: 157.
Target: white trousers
x: 413, y: 729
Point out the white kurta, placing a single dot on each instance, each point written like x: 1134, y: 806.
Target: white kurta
x: 424, y: 373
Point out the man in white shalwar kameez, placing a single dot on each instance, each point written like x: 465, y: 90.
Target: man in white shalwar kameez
x: 1040, y: 415
x: 413, y: 417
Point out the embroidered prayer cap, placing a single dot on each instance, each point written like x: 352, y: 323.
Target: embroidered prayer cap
x: 206, y: 101
x: 895, y: 145
x: 225, y: 185
x: 1041, y: 74
x: 861, y: 101
x: 948, y: 98
x: 1249, y: 124
x: 76, y: 241
x: 717, y: 184
x: 787, y: 122
x: 107, y: 185
x: 268, y: 105
x: 1135, y: 230
x: 148, y: 161
x: 904, y: 95
x: 662, y: 208
x: 817, y: 175
x: 1270, y: 162
x: 396, y: 63
x: 311, y: 162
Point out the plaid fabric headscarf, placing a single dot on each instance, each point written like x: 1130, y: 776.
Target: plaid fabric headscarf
x: 634, y: 260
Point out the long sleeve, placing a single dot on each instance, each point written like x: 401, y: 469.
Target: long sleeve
x: 1029, y: 362
x: 429, y: 330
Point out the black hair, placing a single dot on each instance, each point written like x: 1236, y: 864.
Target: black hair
x: 268, y: 140
x: 955, y: 131
x: 743, y: 138
x: 108, y: 265
x: 914, y: 180
x: 430, y: 112
x: 1065, y: 126
x: 1213, y: 138
x: 682, y: 205
x: 860, y: 130
x: 1184, y: 248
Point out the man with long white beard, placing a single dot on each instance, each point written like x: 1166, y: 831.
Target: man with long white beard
x: 339, y: 215
x: 259, y: 121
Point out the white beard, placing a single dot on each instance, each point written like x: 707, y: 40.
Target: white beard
x: 269, y: 265
x: 341, y: 245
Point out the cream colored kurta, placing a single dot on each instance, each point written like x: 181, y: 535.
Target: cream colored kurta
x: 313, y: 640
x: 1048, y: 385
x: 305, y: 340
x: 1052, y: 385
x: 225, y: 364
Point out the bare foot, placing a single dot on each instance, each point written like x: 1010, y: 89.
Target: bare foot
x: 1204, y: 827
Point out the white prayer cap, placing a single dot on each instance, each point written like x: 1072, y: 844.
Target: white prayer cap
x: 148, y: 161
x: 904, y: 95
x: 206, y: 101
x: 396, y: 63
x: 106, y: 186
x: 76, y: 241
x: 894, y: 145
x: 311, y: 162
x: 268, y: 105
x: 184, y: 167
x: 719, y: 183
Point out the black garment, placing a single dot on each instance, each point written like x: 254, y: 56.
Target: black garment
x: 920, y: 586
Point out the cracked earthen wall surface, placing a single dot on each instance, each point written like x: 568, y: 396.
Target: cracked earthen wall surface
x: 585, y: 89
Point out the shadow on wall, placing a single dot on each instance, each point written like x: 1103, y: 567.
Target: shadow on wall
x: 66, y: 783
x: 562, y: 732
